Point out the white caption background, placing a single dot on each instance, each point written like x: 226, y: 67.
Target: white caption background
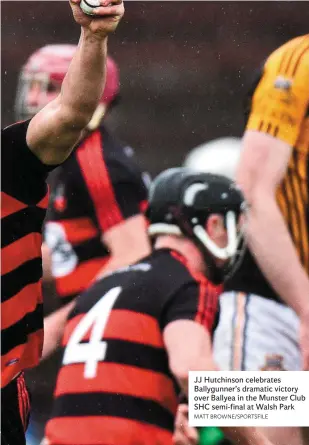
x: 249, y: 398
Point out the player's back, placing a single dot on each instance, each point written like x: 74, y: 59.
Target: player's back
x: 115, y: 386
x: 98, y: 187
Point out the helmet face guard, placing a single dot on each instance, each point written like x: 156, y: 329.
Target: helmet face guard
x: 34, y: 91
x: 232, y: 254
x: 185, y: 213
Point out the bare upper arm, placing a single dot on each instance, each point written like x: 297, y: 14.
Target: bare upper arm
x: 263, y: 163
x: 188, y: 346
x: 51, y: 135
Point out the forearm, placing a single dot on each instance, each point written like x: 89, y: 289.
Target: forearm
x: 271, y: 244
x: 83, y: 85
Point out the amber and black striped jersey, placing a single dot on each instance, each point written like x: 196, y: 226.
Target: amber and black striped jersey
x: 115, y: 386
x: 95, y: 189
x: 279, y: 105
x: 24, y: 198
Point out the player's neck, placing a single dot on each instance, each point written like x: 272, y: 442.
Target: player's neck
x: 185, y: 247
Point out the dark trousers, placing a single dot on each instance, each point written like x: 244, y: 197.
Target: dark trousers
x: 15, y: 410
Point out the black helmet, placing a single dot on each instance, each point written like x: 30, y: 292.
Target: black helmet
x: 180, y: 202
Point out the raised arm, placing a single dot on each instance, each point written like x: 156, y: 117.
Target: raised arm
x: 54, y: 131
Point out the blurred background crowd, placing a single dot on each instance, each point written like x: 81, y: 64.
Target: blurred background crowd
x: 185, y: 68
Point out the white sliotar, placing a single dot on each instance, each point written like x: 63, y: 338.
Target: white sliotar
x: 88, y: 6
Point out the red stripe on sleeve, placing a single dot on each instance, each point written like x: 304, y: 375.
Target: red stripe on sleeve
x: 201, y: 302
x: 21, y: 405
x: 212, y: 304
x: 97, y: 179
x: 24, y: 396
x: 208, y: 295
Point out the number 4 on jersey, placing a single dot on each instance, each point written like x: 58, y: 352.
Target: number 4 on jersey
x: 95, y: 350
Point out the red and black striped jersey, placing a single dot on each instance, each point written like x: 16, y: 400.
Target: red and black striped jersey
x: 97, y: 188
x: 24, y: 198
x: 115, y: 386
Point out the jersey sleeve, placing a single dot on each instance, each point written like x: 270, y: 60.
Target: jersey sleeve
x: 197, y: 301
x: 280, y: 100
x: 116, y: 194
x: 23, y: 174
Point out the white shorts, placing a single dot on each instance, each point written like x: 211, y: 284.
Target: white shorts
x: 255, y: 333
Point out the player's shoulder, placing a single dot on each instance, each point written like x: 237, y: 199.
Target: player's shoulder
x: 112, y: 145
x: 114, y: 149
x: 121, y: 161
x: 23, y: 174
x: 290, y: 58
x: 299, y: 42
x: 15, y: 132
x: 162, y: 272
x: 163, y: 266
x: 146, y: 286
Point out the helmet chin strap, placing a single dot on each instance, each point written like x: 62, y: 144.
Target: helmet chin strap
x: 214, y: 273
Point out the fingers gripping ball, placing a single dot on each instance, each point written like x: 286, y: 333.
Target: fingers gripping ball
x: 88, y: 6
